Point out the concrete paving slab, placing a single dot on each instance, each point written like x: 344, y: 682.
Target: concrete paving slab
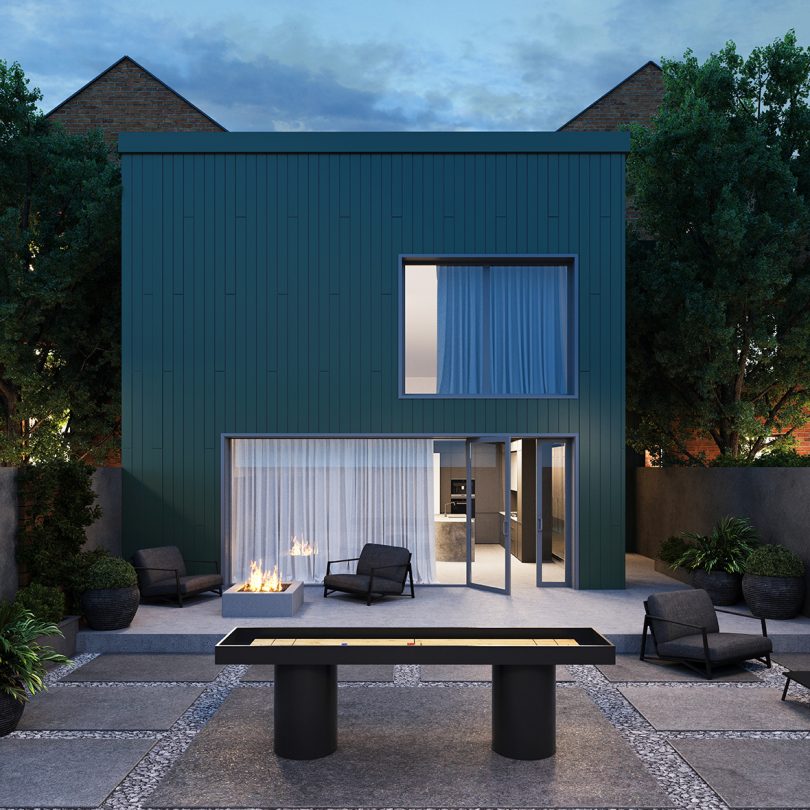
x: 713, y: 708
x: 459, y: 673
x: 751, y: 772
x: 348, y: 673
x: 133, y: 667
x: 436, y: 753
x: 629, y: 668
x: 64, y: 773
x: 124, y: 708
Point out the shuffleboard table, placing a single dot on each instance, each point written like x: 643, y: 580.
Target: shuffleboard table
x: 523, y: 663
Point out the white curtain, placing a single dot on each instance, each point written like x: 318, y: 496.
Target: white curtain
x: 333, y: 494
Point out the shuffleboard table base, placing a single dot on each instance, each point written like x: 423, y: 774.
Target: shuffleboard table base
x: 523, y: 711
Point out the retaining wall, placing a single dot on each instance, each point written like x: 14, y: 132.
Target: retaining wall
x: 675, y: 499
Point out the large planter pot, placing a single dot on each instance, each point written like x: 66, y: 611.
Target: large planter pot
x: 774, y: 597
x: 723, y: 588
x: 110, y: 609
x: 10, y: 713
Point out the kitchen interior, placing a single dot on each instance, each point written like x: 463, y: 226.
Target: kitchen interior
x: 486, y: 500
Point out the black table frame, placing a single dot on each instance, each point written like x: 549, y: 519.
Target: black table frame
x: 523, y: 678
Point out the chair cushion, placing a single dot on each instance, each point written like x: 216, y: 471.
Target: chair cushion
x: 160, y: 557
x: 693, y: 606
x: 722, y: 647
x: 189, y: 584
x: 358, y: 583
x: 376, y: 555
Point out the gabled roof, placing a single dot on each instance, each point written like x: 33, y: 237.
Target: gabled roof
x: 149, y: 73
x: 624, y: 81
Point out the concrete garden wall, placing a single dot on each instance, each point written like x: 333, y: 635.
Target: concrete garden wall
x: 676, y: 499
x: 104, y: 533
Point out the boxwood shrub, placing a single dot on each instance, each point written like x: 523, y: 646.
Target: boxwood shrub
x: 108, y: 573
x: 46, y: 602
x: 774, y: 561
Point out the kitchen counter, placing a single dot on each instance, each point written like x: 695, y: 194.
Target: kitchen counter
x: 451, y: 538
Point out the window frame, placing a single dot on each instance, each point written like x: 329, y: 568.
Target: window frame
x: 500, y: 259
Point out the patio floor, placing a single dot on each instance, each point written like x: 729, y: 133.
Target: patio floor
x: 616, y: 614
x: 139, y: 731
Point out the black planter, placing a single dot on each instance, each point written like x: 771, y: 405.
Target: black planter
x: 110, y: 609
x: 774, y: 597
x: 10, y: 713
x: 723, y: 588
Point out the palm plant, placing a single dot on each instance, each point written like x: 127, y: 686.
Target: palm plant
x: 22, y: 658
x: 727, y: 548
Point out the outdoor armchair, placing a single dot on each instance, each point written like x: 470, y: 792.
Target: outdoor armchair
x: 162, y: 573
x: 685, y: 629
x: 381, y: 571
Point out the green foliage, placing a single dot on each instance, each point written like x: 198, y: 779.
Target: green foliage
x: 672, y: 549
x: 774, y: 561
x: 787, y: 457
x: 44, y: 601
x: 727, y: 548
x: 59, y: 285
x: 56, y: 505
x: 109, y: 572
x: 719, y: 258
x: 22, y: 659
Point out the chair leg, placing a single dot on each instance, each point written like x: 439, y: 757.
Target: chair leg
x: 709, y: 669
x: 643, y: 641
x: 325, y: 592
x: 768, y: 659
x: 179, y: 599
x: 787, y: 684
x: 410, y: 576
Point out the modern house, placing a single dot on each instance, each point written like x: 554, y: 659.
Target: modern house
x: 407, y: 338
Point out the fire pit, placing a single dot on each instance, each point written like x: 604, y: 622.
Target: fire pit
x: 263, y: 595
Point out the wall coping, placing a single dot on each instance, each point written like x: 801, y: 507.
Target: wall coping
x: 367, y: 142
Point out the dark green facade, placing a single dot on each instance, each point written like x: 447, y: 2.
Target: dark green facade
x: 260, y: 295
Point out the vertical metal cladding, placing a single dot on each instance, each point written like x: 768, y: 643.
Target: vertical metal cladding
x: 260, y: 295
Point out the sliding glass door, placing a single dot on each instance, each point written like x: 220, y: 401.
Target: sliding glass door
x: 489, y: 514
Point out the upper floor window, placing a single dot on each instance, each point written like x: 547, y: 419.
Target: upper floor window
x: 502, y: 327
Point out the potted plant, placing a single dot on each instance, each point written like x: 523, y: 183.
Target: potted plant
x: 773, y: 583
x: 110, y: 594
x: 22, y: 661
x: 671, y: 550
x: 716, y: 560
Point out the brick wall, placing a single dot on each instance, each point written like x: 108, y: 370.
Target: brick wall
x: 635, y: 100
x: 127, y: 98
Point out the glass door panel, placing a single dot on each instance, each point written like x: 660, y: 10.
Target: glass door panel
x: 554, y: 511
x: 488, y: 514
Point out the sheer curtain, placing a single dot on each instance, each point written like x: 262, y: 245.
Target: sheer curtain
x: 529, y: 330
x: 333, y: 494
x: 460, y: 300
x: 503, y: 330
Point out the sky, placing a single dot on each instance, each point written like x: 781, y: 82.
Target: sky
x: 297, y: 65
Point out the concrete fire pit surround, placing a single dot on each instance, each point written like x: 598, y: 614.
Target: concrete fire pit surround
x: 264, y: 604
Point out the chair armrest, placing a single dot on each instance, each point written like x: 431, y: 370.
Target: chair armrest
x: 675, y: 621
x: 746, y: 616
x: 152, y: 568
x: 329, y: 563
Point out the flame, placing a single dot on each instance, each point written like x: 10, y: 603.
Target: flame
x: 263, y: 581
x: 301, y: 548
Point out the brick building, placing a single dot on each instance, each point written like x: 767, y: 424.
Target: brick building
x: 126, y: 97
x: 634, y: 100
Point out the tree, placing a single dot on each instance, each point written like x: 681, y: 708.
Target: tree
x: 59, y: 285
x: 718, y: 338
